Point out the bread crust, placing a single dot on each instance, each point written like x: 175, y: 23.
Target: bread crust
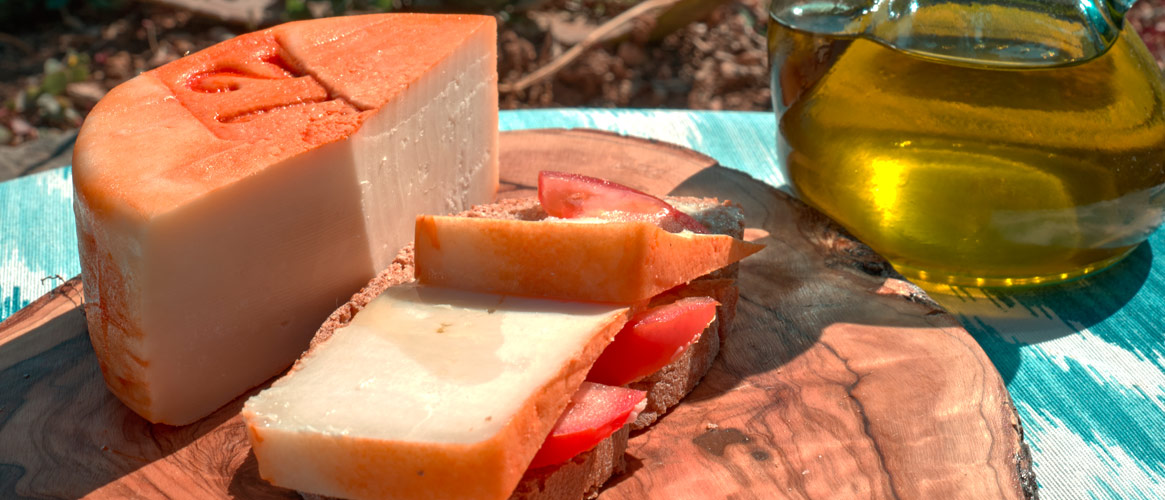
x: 584, y: 475
x: 399, y: 272
x: 581, y: 477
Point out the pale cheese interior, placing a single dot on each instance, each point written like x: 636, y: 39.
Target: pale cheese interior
x: 407, y: 150
x: 430, y: 365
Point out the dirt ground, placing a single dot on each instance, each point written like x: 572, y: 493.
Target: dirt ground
x: 55, y: 65
x: 717, y: 63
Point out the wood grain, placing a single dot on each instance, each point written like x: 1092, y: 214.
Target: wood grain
x: 839, y: 379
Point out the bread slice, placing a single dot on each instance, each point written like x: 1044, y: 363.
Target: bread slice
x: 584, y: 475
x: 719, y: 217
x: 666, y: 387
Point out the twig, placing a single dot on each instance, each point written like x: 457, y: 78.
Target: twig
x: 64, y: 289
x: 151, y: 34
x: 70, y: 20
x: 55, y: 278
x: 596, y: 37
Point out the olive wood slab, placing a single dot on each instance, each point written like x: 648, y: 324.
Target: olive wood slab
x: 839, y: 380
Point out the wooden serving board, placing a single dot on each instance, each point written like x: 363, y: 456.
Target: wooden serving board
x: 839, y: 380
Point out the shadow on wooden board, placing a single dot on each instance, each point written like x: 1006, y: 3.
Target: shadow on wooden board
x: 64, y: 435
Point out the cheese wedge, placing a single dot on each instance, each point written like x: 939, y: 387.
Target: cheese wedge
x: 228, y: 201
x: 427, y: 393
x: 621, y: 262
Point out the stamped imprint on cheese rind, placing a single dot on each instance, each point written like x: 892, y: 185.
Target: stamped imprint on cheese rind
x: 251, y: 79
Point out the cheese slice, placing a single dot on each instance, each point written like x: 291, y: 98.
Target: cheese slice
x: 592, y: 260
x: 227, y: 202
x: 427, y: 393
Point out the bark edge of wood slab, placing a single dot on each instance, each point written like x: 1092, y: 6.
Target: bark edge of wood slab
x: 829, y: 384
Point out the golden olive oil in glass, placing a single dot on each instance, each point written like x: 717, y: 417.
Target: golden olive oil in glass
x: 974, y: 174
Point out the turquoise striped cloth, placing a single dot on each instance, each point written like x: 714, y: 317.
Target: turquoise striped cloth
x: 1084, y: 361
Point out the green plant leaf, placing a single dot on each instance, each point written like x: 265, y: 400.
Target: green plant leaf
x: 295, y: 9
x: 78, y: 66
x: 54, y: 83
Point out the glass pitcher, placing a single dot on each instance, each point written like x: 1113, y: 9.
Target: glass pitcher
x: 1001, y: 143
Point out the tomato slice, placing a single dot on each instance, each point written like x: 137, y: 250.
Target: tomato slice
x: 571, y: 196
x: 595, y: 412
x: 651, y: 339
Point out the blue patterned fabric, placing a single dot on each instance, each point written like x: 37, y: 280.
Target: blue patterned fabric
x: 38, y: 239
x: 1084, y: 361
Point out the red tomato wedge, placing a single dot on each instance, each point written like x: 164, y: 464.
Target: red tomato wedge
x: 651, y: 339
x: 571, y: 196
x: 595, y: 412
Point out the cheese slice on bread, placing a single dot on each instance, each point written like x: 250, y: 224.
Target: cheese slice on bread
x: 428, y: 393
x: 228, y: 201
x: 621, y: 262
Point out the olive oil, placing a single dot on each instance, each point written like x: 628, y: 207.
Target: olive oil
x: 974, y: 174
